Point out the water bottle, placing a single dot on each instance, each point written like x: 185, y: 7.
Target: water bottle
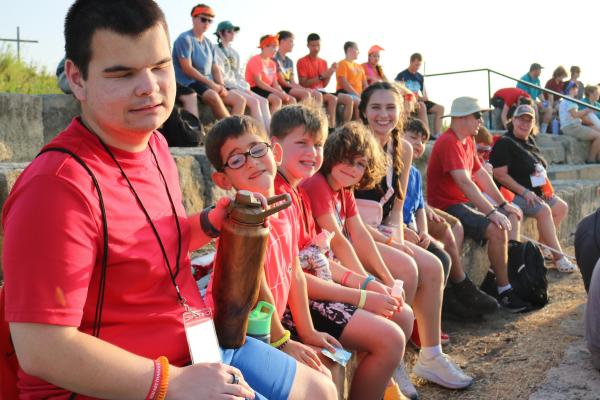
x: 239, y: 264
x: 259, y: 322
x: 555, y: 127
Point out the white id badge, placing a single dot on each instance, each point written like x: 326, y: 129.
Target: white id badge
x: 538, y: 178
x: 201, y: 336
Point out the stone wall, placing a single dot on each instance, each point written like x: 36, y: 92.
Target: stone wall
x: 21, y: 127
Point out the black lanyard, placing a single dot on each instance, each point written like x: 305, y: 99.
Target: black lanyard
x: 300, y: 204
x: 181, y: 300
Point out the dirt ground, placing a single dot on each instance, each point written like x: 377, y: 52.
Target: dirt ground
x: 509, y: 354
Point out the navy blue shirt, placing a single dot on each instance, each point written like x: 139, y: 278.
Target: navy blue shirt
x: 413, y: 82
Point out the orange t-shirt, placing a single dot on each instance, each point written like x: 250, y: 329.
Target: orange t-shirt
x: 352, y: 72
x: 266, y: 70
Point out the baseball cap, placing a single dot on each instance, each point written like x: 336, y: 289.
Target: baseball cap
x: 375, y: 49
x: 535, y: 66
x: 464, y: 106
x: 227, y: 26
x: 524, y: 110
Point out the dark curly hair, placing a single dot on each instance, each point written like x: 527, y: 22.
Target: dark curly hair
x: 355, y: 140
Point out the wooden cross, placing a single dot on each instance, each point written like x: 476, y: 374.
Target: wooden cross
x: 19, y: 41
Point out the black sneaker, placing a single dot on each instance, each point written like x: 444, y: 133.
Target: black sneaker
x: 511, y: 302
x: 454, y: 309
x: 590, y: 161
x: 474, y: 298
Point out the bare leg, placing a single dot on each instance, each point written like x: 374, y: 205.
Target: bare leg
x: 459, y: 235
x: 213, y: 100
x: 318, y: 96
x: 190, y: 103
x: 547, y: 115
x: 236, y: 101
x: 346, y: 100
x: 275, y: 102
x: 595, y: 139
x: 253, y: 104
x: 311, y: 384
x: 456, y: 271
x: 266, y: 113
x: 438, y: 110
x: 364, y: 333
x: 497, y: 252
x: 331, y: 102
x: 428, y: 299
x: 355, y: 112
x: 515, y: 232
x: 423, y: 115
x: 300, y: 94
x: 547, y: 230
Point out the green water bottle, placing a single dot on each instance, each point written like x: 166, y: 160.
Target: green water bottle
x: 259, y: 322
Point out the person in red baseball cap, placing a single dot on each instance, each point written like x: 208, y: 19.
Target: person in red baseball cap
x: 373, y: 70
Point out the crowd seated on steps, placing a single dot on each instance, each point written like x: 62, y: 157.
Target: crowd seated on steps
x: 103, y: 317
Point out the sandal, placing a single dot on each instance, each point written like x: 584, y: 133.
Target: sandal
x: 564, y: 265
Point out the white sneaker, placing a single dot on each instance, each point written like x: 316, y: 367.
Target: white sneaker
x: 402, y: 378
x: 441, y: 370
x: 547, y: 254
x: 564, y: 265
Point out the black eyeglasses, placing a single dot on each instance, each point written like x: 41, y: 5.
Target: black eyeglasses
x: 237, y: 161
x: 478, y: 115
x: 205, y: 20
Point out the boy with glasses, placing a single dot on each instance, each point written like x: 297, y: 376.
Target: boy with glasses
x: 195, y: 62
x: 454, y: 179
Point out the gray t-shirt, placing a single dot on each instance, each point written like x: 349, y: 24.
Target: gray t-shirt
x: 592, y: 317
x: 285, y: 67
x: 580, y: 89
x: 202, y: 53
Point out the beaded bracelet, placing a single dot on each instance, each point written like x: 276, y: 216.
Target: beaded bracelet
x: 281, y: 341
x: 155, y: 381
x: 164, y: 381
x: 363, y: 298
x: 369, y: 279
x: 346, y: 275
x: 283, y: 345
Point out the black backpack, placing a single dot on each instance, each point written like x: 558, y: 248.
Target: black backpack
x: 183, y: 129
x: 527, y: 275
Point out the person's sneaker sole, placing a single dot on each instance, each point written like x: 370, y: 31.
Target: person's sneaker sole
x: 434, y: 377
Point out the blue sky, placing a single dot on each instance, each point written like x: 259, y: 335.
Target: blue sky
x: 452, y: 35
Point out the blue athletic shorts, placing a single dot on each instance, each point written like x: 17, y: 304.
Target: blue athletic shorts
x: 268, y: 371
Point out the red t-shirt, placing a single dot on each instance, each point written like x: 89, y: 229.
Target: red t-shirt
x: 306, y: 223
x: 53, y: 248
x: 282, y: 249
x: 325, y: 200
x: 553, y: 85
x: 448, y: 154
x: 310, y: 68
x: 511, y: 95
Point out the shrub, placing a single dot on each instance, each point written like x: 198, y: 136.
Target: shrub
x: 20, y: 77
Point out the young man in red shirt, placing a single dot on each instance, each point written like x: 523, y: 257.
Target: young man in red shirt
x: 507, y: 99
x: 121, y: 70
x: 454, y: 176
x: 314, y: 74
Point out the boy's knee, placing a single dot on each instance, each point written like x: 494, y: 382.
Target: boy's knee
x: 495, y: 233
x: 276, y: 101
x: 211, y: 97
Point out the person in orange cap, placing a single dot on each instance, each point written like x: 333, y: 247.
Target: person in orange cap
x: 261, y: 74
x: 196, y: 68
x: 373, y: 70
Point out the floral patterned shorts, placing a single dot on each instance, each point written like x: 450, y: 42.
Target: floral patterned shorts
x: 327, y: 316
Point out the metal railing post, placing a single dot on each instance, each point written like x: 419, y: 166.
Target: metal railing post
x: 489, y: 100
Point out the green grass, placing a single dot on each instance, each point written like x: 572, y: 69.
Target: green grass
x: 20, y: 77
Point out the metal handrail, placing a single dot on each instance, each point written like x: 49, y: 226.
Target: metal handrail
x: 518, y: 80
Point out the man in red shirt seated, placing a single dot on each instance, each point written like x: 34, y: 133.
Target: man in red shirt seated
x: 454, y: 176
x: 105, y: 319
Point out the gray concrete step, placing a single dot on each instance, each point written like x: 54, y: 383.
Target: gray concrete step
x: 574, y: 172
x: 553, y: 154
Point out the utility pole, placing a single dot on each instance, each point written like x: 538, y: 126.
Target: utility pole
x: 19, y: 41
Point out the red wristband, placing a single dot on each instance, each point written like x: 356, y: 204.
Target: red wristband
x: 156, y: 381
x: 346, y: 275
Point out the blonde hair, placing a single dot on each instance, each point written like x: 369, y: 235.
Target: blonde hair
x: 559, y: 71
x: 590, y: 89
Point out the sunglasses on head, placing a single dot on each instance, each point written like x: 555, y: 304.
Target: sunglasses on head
x: 483, y: 149
x: 205, y: 20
